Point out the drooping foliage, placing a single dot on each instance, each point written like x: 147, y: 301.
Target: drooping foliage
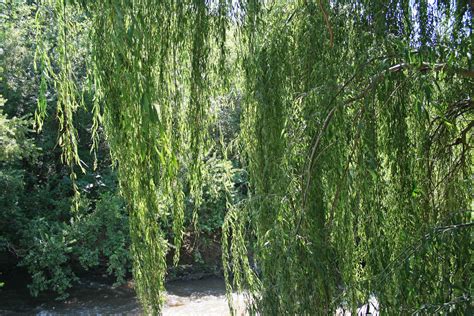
x: 358, y: 133
x: 356, y: 128
x: 149, y: 68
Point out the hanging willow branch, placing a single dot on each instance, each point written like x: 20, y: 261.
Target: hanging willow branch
x: 366, y: 175
x: 150, y: 67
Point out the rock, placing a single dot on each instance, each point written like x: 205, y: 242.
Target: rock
x: 174, y: 301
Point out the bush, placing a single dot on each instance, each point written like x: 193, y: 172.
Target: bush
x: 92, y: 238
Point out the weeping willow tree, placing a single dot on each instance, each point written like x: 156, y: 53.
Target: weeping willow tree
x: 150, y: 70
x: 357, y: 133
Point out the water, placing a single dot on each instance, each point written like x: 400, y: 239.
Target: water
x: 199, y: 297
x: 205, y: 296
x: 192, y: 297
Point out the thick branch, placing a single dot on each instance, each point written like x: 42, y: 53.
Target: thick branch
x: 424, y: 67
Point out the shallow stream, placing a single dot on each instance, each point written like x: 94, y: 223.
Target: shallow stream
x: 191, y: 297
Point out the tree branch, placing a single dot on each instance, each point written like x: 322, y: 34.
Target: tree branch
x: 424, y: 67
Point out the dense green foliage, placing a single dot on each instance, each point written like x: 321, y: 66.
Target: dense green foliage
x: 40, y: 229
x: 358, y: 138
x: 59, y: 228
x: 356, y: 133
